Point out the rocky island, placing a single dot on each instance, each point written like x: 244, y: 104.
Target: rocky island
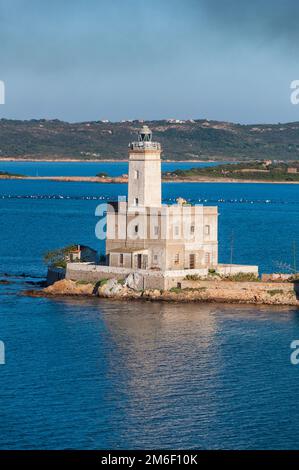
x: 279, y: 290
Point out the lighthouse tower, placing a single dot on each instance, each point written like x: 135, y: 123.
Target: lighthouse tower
x: 144, y: 171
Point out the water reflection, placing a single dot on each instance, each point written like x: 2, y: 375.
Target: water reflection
x: 194, y: 375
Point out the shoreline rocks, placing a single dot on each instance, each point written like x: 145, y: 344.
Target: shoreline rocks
x: 217, y: 292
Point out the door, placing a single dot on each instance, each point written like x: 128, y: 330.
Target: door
x: 139, y: 261
x: 192, y: 261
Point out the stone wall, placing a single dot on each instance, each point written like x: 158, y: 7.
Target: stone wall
x: 283, y: 293
x: 152, y: 279
x: 231, y: 269
x: 54, y: 275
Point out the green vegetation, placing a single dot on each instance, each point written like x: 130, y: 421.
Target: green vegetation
x: 275, y: 292
x: 8, y: 174
x: 196, y: 140
x: 176, y: 290
x: 276, y: 171
x: 213, y: 272
x: 195, y: 289
x: 58, y: 258
x: 241, y: 277
x: 83, y: 283
x: 192, y: 277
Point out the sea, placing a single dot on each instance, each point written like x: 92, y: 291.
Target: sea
x: 102, y: 374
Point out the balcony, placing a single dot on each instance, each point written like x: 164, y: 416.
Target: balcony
x: 145, y: 145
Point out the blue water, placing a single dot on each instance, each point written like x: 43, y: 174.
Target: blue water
x: 86, y: 168
x: 96, y: 374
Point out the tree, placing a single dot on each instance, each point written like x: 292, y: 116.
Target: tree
x: 58, y: 257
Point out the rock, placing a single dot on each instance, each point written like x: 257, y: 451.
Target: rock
x: 68, y: 287
x: 152, y: 293
x: 34, y: 293
x: 112, y: 288
x: 4, y: 282
x: 276, y: 277
x: 134, y: 281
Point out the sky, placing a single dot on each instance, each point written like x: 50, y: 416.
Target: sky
x: 81, y: 60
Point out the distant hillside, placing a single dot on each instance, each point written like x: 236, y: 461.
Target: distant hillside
x: 245, y: 171
x: 187, y: 140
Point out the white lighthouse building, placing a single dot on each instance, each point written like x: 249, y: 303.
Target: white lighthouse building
x: 144, y: 234
x: 156, y: 244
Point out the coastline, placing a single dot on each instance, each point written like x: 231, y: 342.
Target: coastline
x: 229, y: 292
x: 105, y: 160
x: 124, y: 180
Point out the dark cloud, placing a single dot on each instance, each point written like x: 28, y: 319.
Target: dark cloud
x: 255, y: 19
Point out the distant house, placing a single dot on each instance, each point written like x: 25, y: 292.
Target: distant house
x: 57, y: 260
x: 82, y: 253
x: 292, y: 170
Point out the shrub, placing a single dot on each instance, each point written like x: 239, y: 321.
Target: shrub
x: 192, y: 277
x: 241, y: 277
x: 59, y: 264
x: 57, y: 258
x: 275, y: 292
x: 176, y: 290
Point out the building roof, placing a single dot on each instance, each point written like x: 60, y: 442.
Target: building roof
x: 78, y: 247
x: 127, y: 250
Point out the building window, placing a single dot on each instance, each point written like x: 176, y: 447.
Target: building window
x: 192, y: 229
x: 136, y: 201
x: 136, y: 174
x: 136, y: 228
x: 192, y: 261
x: 176, y: 230
x: 177, y: 258
x: 207, y: 258
x: 121, y: 259
x: 156, y: 230
x: 207, y: 230
x: 155, y: 258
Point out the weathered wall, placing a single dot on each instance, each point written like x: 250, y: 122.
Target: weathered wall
x: 54, y: 275
x: 91, y: 273
x: 228, y: 269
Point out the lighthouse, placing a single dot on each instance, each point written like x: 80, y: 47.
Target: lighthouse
x: 144, y: 171
x: 144, y: 234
